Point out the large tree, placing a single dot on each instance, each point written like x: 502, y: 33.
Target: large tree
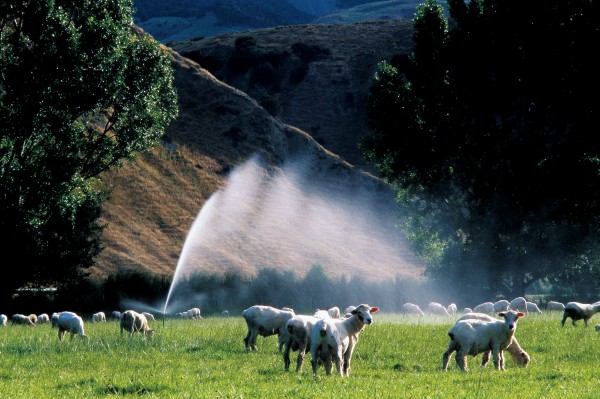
x: 80, y: 91
x: 490, y: 136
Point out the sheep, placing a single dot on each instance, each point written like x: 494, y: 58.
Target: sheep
x: 554, y: 306
x: 3, y: 320
x: 532, y: 307
x: 520, y: 357
x: 115, y: 315
x: 411, y: 308
x: 43, y: 318
x: 33, y: 318
x: 133, y: 322
x: 72, y: 323
x: 472, y: 336
x: 349, y: 309
x: 149, y: 316
x: 298, y: 330
x: 321, y: 314
x: 452, y: 309
x: 98, y: 317
x: 577, y: 311
x: 334, y: 312
x: 501, y: 306
x: 335, y: 340
x: 265, y: 321
x: 193, y: 313
x: 519, y: 304
x: 467, y: 310
x: 54, y: 319
x: 21, y: 319
x: 486, y: 307
x: 225, y: 313
x: 437, y: 309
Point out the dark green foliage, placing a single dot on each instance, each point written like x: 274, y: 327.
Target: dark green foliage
x: 79, y: 93
x: 490, y: 138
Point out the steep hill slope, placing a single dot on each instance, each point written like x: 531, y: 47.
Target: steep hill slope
x: 270, y: 195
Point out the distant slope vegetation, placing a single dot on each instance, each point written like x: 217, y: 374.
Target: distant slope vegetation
x: 333, y: 214
x: 188, y: 19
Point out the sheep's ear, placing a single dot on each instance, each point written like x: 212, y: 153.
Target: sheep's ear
x: 501, y: 314
x: 520, y: 314
x: 374, y: 310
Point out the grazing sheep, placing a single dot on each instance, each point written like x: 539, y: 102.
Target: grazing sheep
x: 115, y: 315
x: 334, y: 312
x: 298, y: 330
x: 33, y: 318
x: 577, y: 311
x: 43, y: 318
x: 3, y: 320
x: 554, y: 306
x: 411, y: 308
x: 519, y: 356
x: 265, y: 321
x: 69, y: 322
x: 321, y: 314
x: 334, y: 340
x: 452, y: 309
x: 133, y: 322
x: 472, y: 336
x: 193, y: 313
x: 437, y: 309
x: 149, y: 316
x: 21, y: 319
x: 532, y: 307
x: 467, y: 310
x: 225, y: 313
x: 486, y: 307
x: 501, y: 306
x: 98, y: 317
x: 519, y: 304
x: 54, y: 319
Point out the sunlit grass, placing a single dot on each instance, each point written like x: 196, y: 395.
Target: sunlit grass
x: 396, y: 357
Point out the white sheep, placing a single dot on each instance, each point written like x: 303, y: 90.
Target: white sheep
x: 334, y: 312
x: 21, y: 319
x: 532, y: 307
x: 349, y: 309
x: 69, y: 322
x: 467, y: 310
x: 3, y: 320
x: 518, y: 354
x: 149, y: 316
x: 437, y: 309
x: 452, y: 309
x: 193, y: 313
x: 501, y: 306
x: 334, y: 340
x: 43, y: 318
x: 486, y: 307
x: 472, y: 336
x: 225, y: 313
x: 553, y: 306
x: 54, y: 319
x: 33, y: 318
x: 133, y: 322
x: 298, y: 330
x: 519, y: 304
x: 411, y: 308
x: 265, y: 321
x: 98, y: 317
x: 577, y: 311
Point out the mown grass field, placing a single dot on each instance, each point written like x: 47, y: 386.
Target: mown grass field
x: 397, y: 357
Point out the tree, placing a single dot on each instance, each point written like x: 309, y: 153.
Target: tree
x: 80, y: 91
x: 489, y: 137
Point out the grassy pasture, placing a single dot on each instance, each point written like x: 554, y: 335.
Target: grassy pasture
x: 397, y: 357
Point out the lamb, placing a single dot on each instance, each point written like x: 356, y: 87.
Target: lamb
x: 149, y: 316
x: 452, y: 309
x: 3, y: 320
x: 437, y: 309
x: 98, y: 317
x: 265, y: 321
x: 43, y: 318
x: 486, y: 307
x: 21, y: 319
x: 532, y: 307
x: 519, y: 304
x: 133, y: 322
x: 501, y: 306
x: 69, y: 322
x: 519, y: 356
x: 334, y: 340
x: 193, y: 313
x: 471, y: 337
x: 577, y: 311
x: 298, y: 330
x: 411, y: 308
x: 554, y: 306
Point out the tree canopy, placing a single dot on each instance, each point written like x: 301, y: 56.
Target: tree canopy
x: 80, y: 91
x: 490, y: 137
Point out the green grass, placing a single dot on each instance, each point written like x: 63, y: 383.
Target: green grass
x: 397, y: 357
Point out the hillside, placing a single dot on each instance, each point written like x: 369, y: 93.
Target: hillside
x: 277, y: 197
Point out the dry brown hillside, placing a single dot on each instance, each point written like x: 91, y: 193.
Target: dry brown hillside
x: 282, y: 200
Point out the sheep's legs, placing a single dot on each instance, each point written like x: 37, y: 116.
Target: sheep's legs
x: 448, y: 355
x: 286, y: 356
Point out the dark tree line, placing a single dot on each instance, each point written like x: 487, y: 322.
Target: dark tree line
x: 489, y: 135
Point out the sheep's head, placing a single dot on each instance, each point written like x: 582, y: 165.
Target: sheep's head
x: 510, y: 318
x: 363, y: 312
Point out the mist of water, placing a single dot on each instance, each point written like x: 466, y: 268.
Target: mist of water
x: 294, y: 217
